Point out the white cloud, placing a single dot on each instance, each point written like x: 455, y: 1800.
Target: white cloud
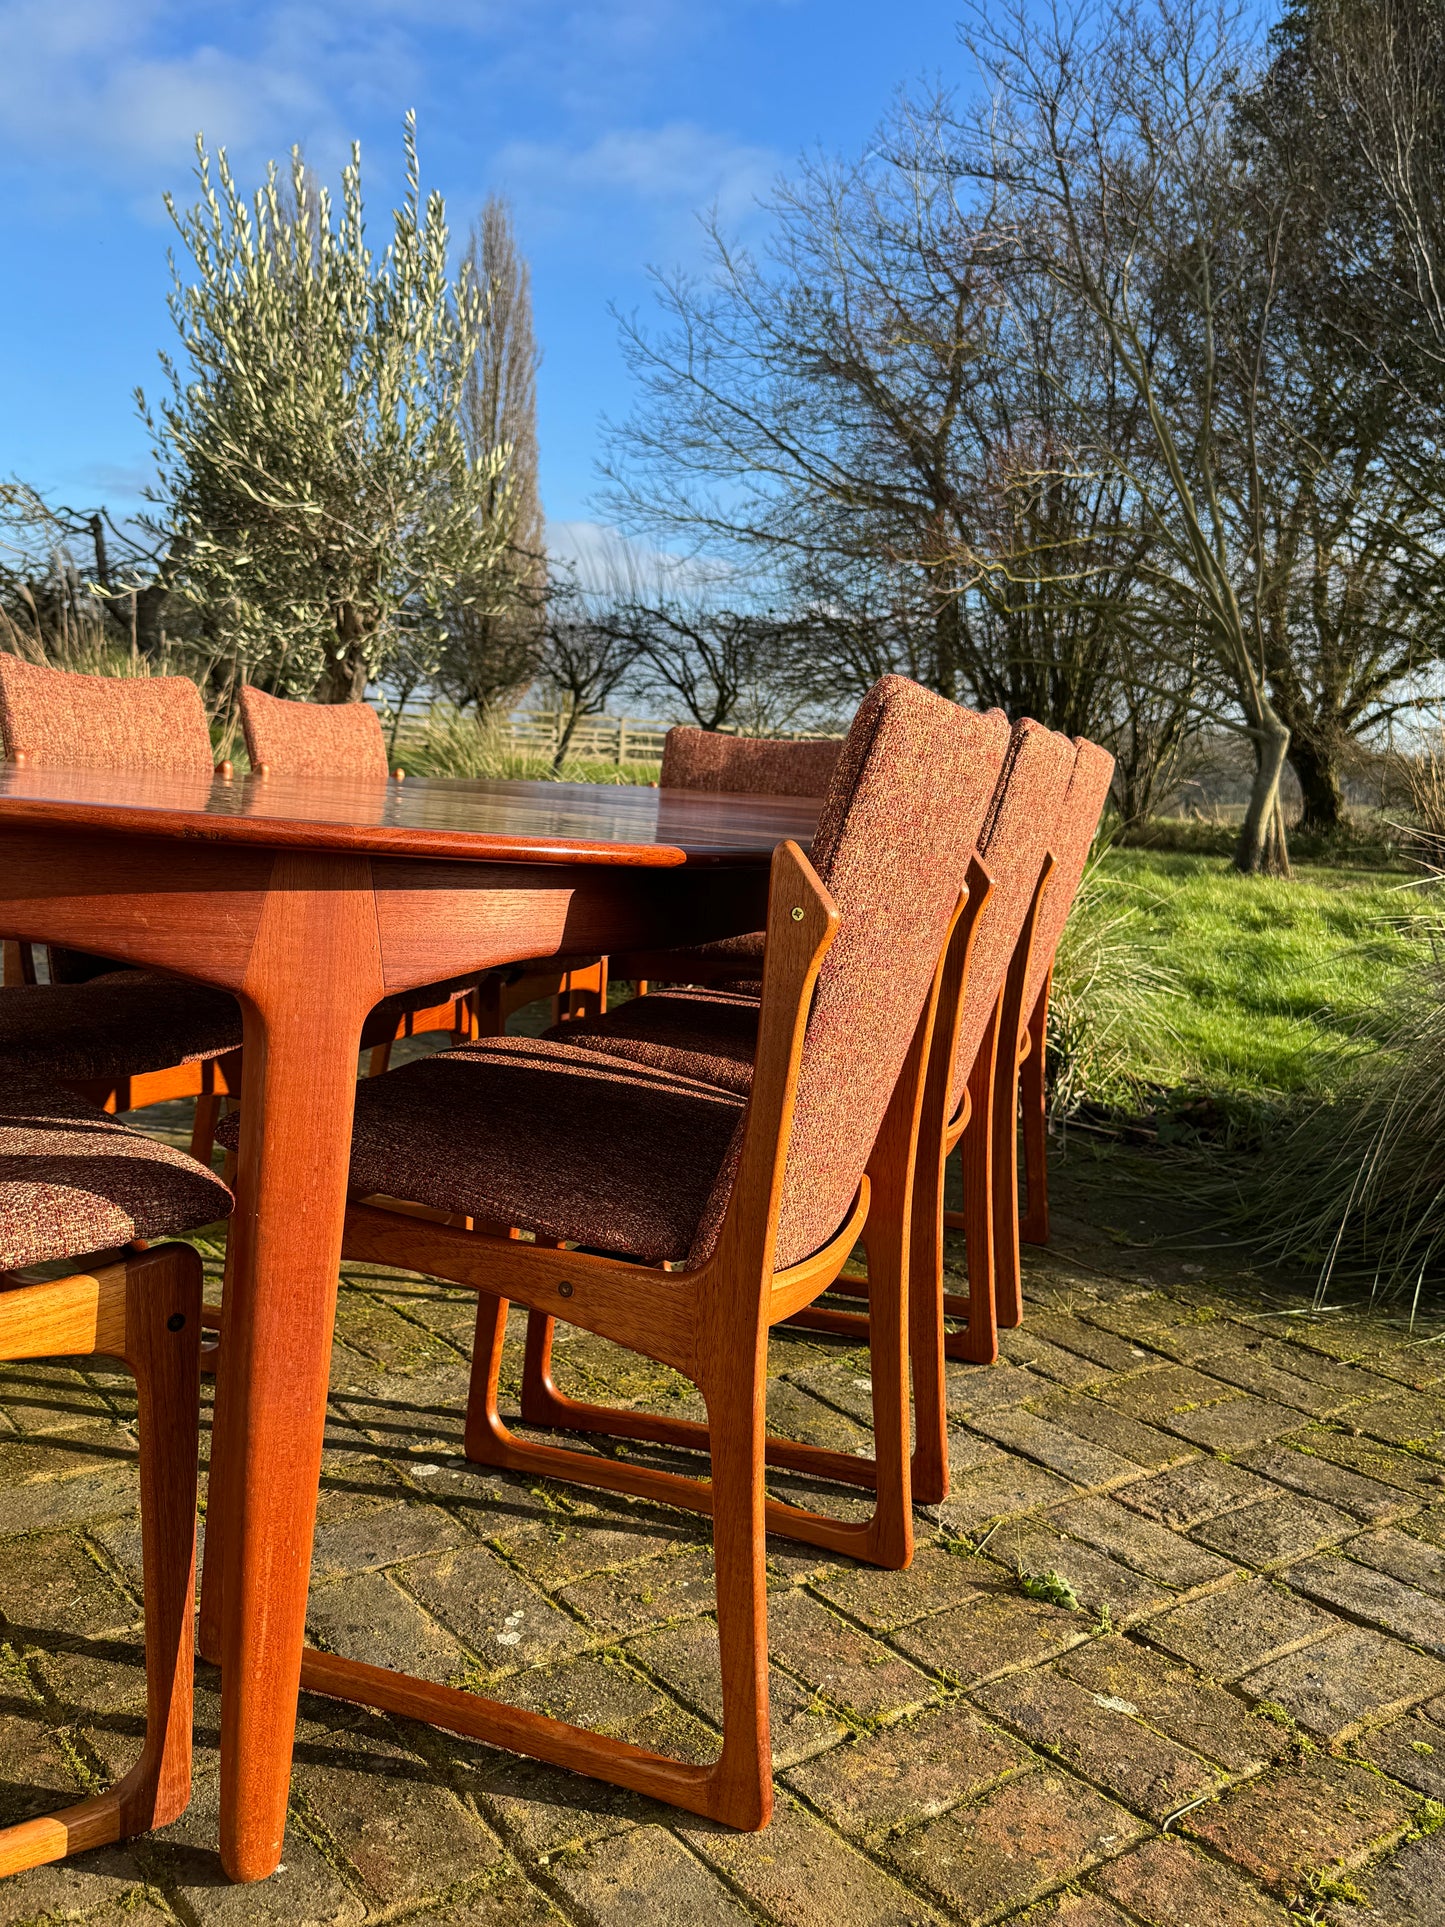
x: 679, y: 165
x: 125, y: 85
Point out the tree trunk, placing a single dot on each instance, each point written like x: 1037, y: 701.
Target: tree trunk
x: 1262, y: 849
x: 1319, y: 781
x: 564, y: 739
x: 344, y: 678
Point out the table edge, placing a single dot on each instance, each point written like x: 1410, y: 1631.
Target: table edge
x: 382, y: 840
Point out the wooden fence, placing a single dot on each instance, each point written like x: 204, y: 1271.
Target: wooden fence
x: 598, y: 739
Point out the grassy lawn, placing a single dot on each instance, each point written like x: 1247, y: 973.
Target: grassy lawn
x: 1270, y: 982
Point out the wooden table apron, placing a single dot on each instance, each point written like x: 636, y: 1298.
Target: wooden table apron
x: 310, y: 940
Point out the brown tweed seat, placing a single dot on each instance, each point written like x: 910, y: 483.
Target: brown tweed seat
x: 569, y: 1144
x: 113, y: 1027
x: 74, y: 1180
x: 711, y: 1035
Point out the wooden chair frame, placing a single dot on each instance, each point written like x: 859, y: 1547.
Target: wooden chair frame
x: 711, y: 1324
x: 986, y: 1132
x: 898, y: 1217
x: 1034, y: 1104
x: 144, y: 1309
x: 997, y: 1184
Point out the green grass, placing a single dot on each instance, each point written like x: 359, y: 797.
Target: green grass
x: 1274, y: 985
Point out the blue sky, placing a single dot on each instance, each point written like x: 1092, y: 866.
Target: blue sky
x: 608, y: 124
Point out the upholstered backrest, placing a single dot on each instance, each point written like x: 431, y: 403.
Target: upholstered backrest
x: 894, y: 838
x: 63, y: 720
x: 312, y: 739
x: 1016, y: 836
x: 1073, y: 837
x: 701, y: 759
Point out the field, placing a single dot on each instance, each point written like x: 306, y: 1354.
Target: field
x: 1271, y: 986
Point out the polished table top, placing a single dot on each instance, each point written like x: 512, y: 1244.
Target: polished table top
x: 458, y: 818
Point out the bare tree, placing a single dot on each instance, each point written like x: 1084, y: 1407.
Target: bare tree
x: 720, y: 664
x: 584, y: 656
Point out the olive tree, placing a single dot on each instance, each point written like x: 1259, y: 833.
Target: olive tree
x: 318, y: 494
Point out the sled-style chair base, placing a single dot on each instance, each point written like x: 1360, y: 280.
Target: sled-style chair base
x: 142, y: 1308
x: 901, y: 1209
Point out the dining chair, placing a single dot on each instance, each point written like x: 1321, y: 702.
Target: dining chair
x: 125, y: 1038
x: 345, y: 740
x: 73, y: 1181
x: 712, y: 1035
x: 706, y: 760
x: 754, y: 1203
x: 1074, y: 833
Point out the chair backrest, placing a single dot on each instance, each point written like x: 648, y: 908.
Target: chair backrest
x: 312, y: 739
x: 1072, y: 840
x: 702, y: 759
x: 59, y: 719
x: 1016, y: 836
x: 894, y: 840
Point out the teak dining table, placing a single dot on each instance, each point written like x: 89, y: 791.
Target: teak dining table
x: 312, y: 899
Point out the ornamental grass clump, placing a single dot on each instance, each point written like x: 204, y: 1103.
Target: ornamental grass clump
x: 1356, y: 1189
x: 1108, y: 1023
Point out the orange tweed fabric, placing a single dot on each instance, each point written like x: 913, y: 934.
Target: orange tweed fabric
x: 312, y: 739
x: 567, y: 1143
x: 67, y: 721
x: 893, y: 842
x: 1073, y: 838
x: 701, y: 759
x: 1012, y: 845
x: 73, y: 1181
x: 116, y: 1026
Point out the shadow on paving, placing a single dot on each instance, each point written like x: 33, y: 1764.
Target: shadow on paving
x: 1172, y: 1650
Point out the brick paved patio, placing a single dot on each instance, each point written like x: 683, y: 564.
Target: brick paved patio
x: 1243, y: 1714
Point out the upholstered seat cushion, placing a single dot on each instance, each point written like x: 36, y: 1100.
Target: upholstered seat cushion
x: 569, y: 1144
x: 73, y: 1181
x: 113, y: 1026
x: 698, y: 1034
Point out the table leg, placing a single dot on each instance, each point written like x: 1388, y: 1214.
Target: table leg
x: 313, y: 974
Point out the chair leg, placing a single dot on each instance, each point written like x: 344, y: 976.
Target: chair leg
x: 487, y: 1011
x: 203, y: 1129
x: 1007, y: 1271
x: 744, y: 1772
x: 490, y: 1441
x: 379, y: 1061
x: 979, y: 1344
x: 163, y: 1318
x: 1034, y: 1223
x: 737, y: 1788
x: 925, y: 1332
x: 886, y: 1239
x: 162, y: 1296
